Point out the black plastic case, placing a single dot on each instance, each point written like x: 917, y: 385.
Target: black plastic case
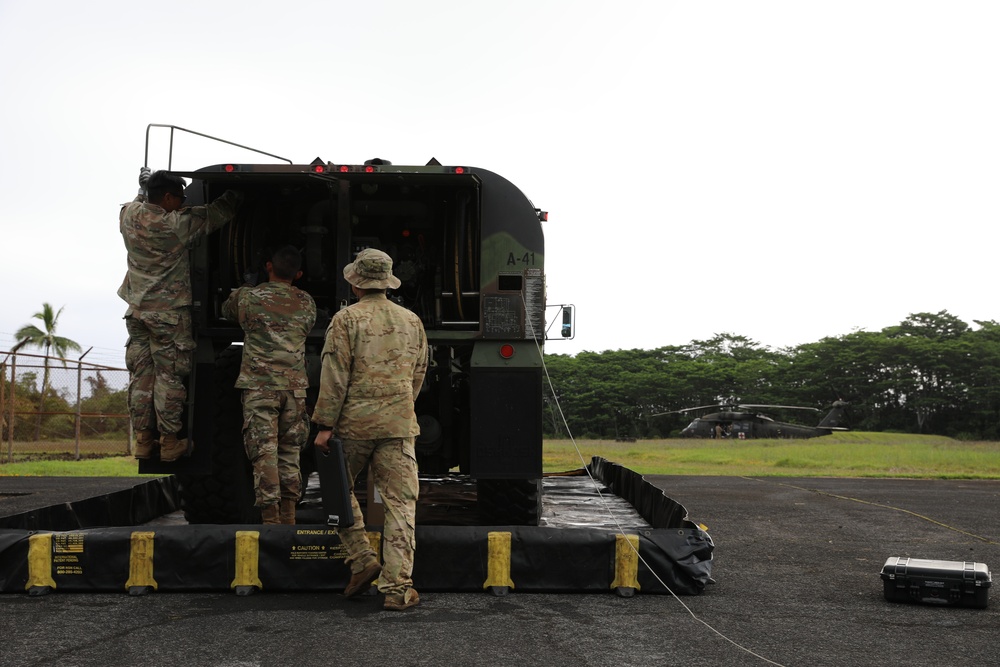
x: 942, y: 582
x: 333, y: 484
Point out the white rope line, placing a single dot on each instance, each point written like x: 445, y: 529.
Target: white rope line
x: 607, y: 507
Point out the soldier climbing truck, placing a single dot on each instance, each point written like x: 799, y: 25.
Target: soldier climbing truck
x: 468, y: 248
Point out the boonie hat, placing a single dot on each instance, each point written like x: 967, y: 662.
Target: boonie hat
x: 371, y: 269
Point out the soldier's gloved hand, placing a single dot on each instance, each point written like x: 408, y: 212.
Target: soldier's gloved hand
x: 322, y: 440
x: 144, y: 174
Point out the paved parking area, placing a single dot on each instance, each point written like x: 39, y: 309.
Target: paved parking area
x: 797, y: 566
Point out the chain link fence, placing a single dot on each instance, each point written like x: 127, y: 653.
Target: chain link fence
x: 61, y: 408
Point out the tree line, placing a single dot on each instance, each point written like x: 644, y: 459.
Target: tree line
x: 932, y: 373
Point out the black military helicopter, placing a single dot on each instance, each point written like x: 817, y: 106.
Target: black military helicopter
x: 743, y: 421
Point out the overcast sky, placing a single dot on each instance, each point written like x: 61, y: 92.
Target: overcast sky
x: 783, y: 171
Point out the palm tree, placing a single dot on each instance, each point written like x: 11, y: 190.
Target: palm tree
x: 49, y: 341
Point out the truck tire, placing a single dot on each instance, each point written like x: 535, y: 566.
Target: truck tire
x: 226, y: 494
x: 509, y: 502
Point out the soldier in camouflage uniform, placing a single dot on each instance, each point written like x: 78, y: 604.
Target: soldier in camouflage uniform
x: 158, y: 231
x: 276, y: 318
x: 374, y: 361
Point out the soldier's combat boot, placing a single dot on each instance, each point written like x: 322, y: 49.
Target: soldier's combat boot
x: 145, y: 445
x: 270, y: 514
x: 360, y: 581
x: 288, y: 511
x: 172, y: 448
x: 401, y: 601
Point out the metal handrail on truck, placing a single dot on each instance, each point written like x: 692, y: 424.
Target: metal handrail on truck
x: 170, y: 154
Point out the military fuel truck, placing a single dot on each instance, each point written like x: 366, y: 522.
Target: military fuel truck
x: 469, y: 250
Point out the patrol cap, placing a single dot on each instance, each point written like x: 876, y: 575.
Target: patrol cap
x: 371, y: 269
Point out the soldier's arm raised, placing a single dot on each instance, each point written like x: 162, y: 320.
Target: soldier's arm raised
x: 197, y: 221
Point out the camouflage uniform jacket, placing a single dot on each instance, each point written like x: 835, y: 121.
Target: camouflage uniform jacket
x: 276, y: 318
x: 159, y: 273
x: 374, y: 361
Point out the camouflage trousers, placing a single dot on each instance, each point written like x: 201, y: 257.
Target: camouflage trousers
x: 394, y: 469
x: 158, y: 356
x: 275, y: 426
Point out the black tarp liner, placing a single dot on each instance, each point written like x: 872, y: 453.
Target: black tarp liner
x: 652, y: 503
x: 548, y: 558
x: 132, y: 506
x: 582, y: 502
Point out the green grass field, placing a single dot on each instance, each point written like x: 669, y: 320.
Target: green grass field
x: 848, y: 454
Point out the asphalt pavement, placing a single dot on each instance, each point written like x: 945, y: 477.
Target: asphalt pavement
x: 797, y: 565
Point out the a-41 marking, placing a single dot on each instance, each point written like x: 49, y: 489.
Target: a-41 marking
x: 526, y: 258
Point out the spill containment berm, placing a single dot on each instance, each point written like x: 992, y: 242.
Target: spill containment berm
x: 627, y: 554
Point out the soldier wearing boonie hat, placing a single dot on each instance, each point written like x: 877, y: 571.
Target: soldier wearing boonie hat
x: 371, y: 269
x: 373, y: 365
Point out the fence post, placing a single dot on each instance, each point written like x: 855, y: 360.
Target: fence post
x: 10, y: 418
x: 79, y: 386
x: 3, y: 402
x: 79, y: 398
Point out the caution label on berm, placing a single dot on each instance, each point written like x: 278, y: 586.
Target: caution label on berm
x: 335, y: 550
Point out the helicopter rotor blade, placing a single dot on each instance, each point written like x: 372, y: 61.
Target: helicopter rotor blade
x: 780, y: 407
x: 669, y: 412
x: 717, y: 406
x: 722, y: 406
